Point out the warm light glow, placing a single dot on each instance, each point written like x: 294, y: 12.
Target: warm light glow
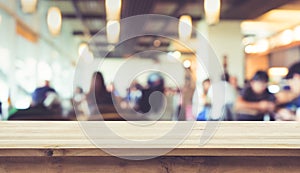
x: 212, y: 11
x: 177, y: 54
x: 0, y: 19
x: 274, y: 89
x: 263, y: 45
x: 259, y: 47
x: 187, y: 64
x: 113, y: 31
x: 185, y: 27
x: 297, y: 33
x: 286, y: 37
x: 54, y: 20
x: 29, y: 6
x: 113, y: 9
x: 156, y: 43
x: 82, y: 47
x: 278, y: 71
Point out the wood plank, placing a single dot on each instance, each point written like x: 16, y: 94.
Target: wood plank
x: 160, y: 164
x: 68, y: 139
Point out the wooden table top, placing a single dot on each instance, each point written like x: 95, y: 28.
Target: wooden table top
x: 40, y: 138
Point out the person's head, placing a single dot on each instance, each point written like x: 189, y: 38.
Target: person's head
x: 293, y: 77
x: 156, y: 81
x: 47, y: 83
x: 206, y: 85
x: 98, y: 83
x: 78, y: 90
x: 259, y: 82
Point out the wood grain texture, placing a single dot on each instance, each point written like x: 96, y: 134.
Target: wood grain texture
x: 159, y: 165
x: 68, y: 139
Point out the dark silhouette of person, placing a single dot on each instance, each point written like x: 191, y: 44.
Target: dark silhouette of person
x: 98, y: 94
x: 40, y: 94
x: 156, y: 89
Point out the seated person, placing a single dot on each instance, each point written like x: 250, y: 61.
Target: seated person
x: 155, y: 83
x: 99, y: 99
x: 39, y: 95
x: 290, y: 99
x: 255, y: 100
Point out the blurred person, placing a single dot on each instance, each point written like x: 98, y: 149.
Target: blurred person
x: 233, y: 80
x: 290, y: 99
x: 155, y: 84
x: 204, y: 101
x: 255, y: 101
x: 134, y: 93
x: 40, y: 94
x: 50, y: 108
x: 98, y: 95
x: 79, y: 102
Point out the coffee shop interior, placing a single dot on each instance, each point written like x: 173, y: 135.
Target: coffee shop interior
x: 89, y: 60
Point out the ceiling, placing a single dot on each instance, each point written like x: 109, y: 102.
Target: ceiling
x: 87, y: 17
x: 274, y: 21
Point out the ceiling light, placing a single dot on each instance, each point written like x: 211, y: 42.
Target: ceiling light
x: 113, y: 9
x: 259, y: 47
x: 82, y: 47
x: 278, y: 71
x: 286, y: 37
x: 177, y: 54
x: 212, y: 11
x: 297, y: 33
x: 54, y: 20
x: 187, y: 64
x: 29, y: 6
x: 262, y: 45
x: 156, y: 43
x: 185, y: 27
x: 113, y: 31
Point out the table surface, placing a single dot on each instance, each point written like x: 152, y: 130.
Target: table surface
x: 84, y: 138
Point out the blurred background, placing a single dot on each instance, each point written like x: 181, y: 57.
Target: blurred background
x: 41, y: 42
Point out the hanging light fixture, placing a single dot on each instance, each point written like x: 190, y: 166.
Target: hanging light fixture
x: 113, y: 9
x: 185, y: 27
x: 29, y: 6
x: 212, y: 11
x: 113, y: 31
x: 82, y: 47
x: 54, y: 20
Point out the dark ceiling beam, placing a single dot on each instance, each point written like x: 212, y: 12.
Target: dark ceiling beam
x: 81, y: 33
x: 169, y: 34
x: 103, y: 17
x: 83, y: 16
x: 150, y: 44
x: 79, y: 16
x: 251, y: 9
